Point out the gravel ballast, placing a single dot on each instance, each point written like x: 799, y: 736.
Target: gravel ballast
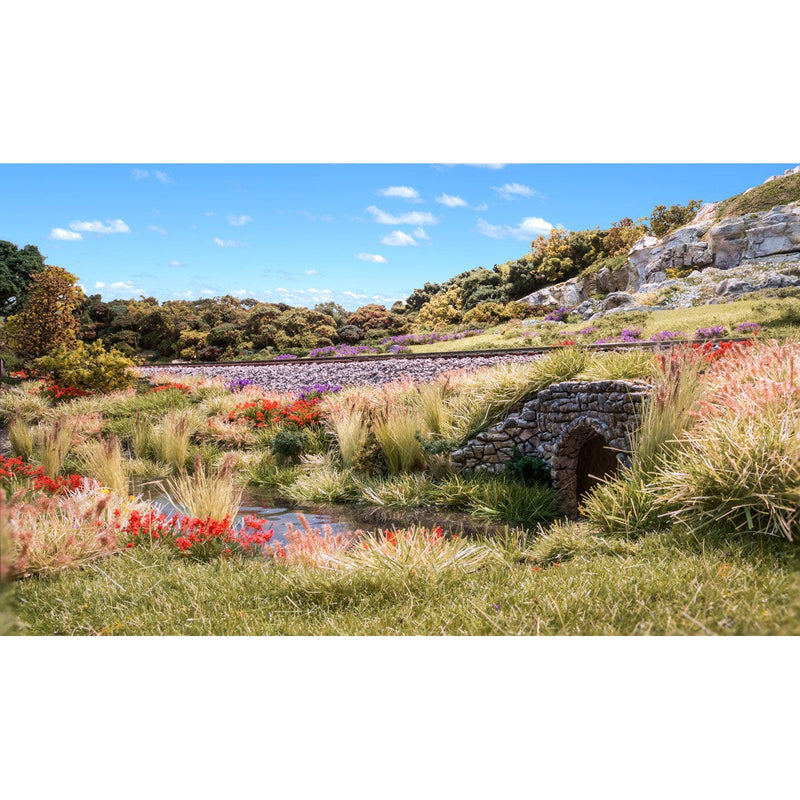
x: 291, y: 377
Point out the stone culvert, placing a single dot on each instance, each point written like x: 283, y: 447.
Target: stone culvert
x: 581, y: 429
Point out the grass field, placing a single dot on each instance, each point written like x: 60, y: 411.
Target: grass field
x: 778, y: 316
x: 662, y: 584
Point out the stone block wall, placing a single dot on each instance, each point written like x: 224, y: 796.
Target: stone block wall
x: 554, y: 425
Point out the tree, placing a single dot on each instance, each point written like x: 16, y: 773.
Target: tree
x: 339, y: 313
x: 663, y: 220
x: 17, y: 268
x: 49, y: 318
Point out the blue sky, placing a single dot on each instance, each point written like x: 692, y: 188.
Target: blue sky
x: 301, y: 234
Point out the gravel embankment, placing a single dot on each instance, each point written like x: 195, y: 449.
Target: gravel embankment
x: 289, y: 378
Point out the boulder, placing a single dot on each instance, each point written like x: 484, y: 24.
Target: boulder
x: 567, y: 294
x: 617, y: 299
x: 777, y: 232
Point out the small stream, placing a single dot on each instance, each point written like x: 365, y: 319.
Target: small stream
x: 341, y: 518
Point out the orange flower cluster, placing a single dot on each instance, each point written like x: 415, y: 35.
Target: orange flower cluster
x: 58, y: 393
x: 17, y: 471
x: 299, y: 414
x: 201, y: 539
x: 180, y: 387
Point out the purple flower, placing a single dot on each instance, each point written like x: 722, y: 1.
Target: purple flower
x: 748, y: 327
x: 714, y: 332
x: 557, y: 315
x: 665, y: 336
x: 630, y: 334
x: 283, y: 357
x: 340, y: 350
x: 239, y: 384
x: 590, y: 329
x: 317, y: 390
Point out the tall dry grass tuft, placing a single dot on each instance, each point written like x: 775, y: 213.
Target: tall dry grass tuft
x: 54, y: 443
x: 739, y: 472
x: 28, y: 406
x: 45, y: 534
x: 141, y: 432
x: 738, y: 468
x: 203, y: 494
x: 102, y: 460
x: 630, y: 503
x: 21, y: 438
x: 348, y: 421
x: 433, y: 402
x: 170, y: 440
x: 397, y: 429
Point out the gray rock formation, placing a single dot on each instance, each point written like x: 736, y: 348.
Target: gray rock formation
x: 702, y: 246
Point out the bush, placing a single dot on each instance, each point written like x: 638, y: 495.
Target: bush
x: 288, y: 443
x: 91, y: 367
x: 528, y: 469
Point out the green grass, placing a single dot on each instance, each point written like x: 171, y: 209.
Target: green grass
x: 761, y: 198
x: 663, y: 584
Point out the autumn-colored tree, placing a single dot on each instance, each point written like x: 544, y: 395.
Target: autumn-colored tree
x: 49, y: 318
x: 442, y: 310
x: 621, y: 236
x: 663, y: 220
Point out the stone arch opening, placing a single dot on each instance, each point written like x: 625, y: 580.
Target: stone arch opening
x: 596, y: 461
x: 582, y: 458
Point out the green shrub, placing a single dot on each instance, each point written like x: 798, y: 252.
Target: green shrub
x: 288, y: 443
x: 89, y: 367
x: 527, y: 469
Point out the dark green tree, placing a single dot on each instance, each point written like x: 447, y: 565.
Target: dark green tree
x: 17, y: 268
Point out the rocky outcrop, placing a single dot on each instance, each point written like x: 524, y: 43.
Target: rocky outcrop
x: 704, y: 245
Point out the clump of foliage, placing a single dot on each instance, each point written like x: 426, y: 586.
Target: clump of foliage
x: 18, y: 266
x: 89, y: 367
x: 49, y: 318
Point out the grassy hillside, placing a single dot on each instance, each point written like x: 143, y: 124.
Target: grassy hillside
x: 761, y: 198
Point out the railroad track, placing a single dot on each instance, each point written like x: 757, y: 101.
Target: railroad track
x: 496, y: 353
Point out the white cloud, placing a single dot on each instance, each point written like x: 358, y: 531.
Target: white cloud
x: 406, y: 192
x: 398, y: 239
x: 63, y: 235
x: 207, y: 292
x: 239, y: 219
x: 353, y: 294
x: 157, y: 229
x: 451, y: 200
x: 409, y: 218
x: 508, y: 191
x: 529, y: 228
x: 99, y: 285
x: 372, y: 257
x: 281, y: 290
x: 420, y: 233
x: 128, y: 286
x: 95, y: 226
x: 481, y: 207
x: 173, y: 263
x: 142, y: 174
x: 239, y: 292
x: 226, y: 242
x: 208, y: 214
x: 311, y: 272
